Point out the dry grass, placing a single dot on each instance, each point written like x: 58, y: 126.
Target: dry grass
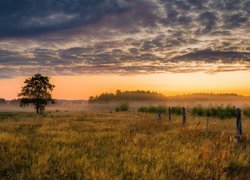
x: 124, y: 145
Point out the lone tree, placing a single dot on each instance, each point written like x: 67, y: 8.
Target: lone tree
x: 37, y: 91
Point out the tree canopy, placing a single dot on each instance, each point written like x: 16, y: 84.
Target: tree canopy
x: 37, y: 91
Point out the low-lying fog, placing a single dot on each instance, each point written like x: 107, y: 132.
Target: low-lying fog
x: 186, y: 101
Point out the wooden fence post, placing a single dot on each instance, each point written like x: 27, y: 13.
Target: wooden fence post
x: 159, y: 115
x: 169, y: 113
x: 238, y: 122
x: 184, y: 117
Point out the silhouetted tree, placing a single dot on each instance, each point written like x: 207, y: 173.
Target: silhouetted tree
x: 37, y: 91
x: 2, y: 101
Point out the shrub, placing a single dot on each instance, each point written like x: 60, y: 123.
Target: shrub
x: 246, y: 112
x: 176, y: 110
x: 199, y: 111
x: 153, y: 109
x: 122, y: 107
x: 220, y: 112
x: 162, y: 109
x: 143, y: 109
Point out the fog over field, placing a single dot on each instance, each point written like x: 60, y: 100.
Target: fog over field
x: 183, y: 100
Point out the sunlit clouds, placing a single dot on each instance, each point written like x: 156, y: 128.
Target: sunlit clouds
x: 125, y: 38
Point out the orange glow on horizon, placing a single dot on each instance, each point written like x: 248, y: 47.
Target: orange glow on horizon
x: 82, y: 87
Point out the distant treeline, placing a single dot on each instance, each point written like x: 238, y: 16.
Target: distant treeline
x: 127, y: 96
x: 13, y: 101
x: 57, y: 101
x: 212, y: 94
x: 218, y: 111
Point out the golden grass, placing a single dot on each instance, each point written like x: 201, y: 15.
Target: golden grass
x: 124, y: 145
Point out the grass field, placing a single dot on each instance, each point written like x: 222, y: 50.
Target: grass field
x: 119, y: 145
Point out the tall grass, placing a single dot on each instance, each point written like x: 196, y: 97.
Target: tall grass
x: 120, y: 145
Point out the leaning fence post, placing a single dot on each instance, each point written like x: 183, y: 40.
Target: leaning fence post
x: 183, y: 116
x: 238, y: 122
x: 169, y: 113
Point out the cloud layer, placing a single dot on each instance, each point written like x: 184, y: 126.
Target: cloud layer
x: 62, y: 37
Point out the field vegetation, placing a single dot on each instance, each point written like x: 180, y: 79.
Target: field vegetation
x: 122, y: 107
x: 220, y: 112
x: 120, y: 145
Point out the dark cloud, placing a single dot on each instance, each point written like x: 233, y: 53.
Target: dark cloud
x: 31, y: 17
x: 133, y: 51
x: 184, y: 20
x: 235, y: 20
x: 182, y: 5
x: 26, y: 17
x: 208, y: 20
x: 212, y: 56
x: 67, y: 37
x: 12, y: 58
x: 221, y: 33
x: 232, y: 4
x: 196, y: 3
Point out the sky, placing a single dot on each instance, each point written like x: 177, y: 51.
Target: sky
x: 93, y: 46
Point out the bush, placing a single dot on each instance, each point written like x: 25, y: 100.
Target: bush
x: 176, y: 110
x: 153, y: 109
x: 246, y: 112
x: 220, y: 112
x: 162, y: 109
x: 122, y: 107
x: 143, y: 109
x: 199, y: 111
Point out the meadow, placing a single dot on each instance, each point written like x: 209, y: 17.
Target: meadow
x: 102, y: 144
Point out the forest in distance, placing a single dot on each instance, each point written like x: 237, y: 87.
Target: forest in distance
x: 141, y: 95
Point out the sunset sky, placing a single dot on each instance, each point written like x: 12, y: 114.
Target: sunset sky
x: 93, y: 46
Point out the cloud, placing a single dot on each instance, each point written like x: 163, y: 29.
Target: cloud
x: 208, y: 20
x: 235, y: 20
x: 212, y: 56
x: 75, y: 61
x: 61, y: 37
x: 26, y: 17
x: 13, y: 58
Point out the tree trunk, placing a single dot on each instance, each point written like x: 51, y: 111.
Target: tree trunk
x: 37, y: 106
x: 37, y: 109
